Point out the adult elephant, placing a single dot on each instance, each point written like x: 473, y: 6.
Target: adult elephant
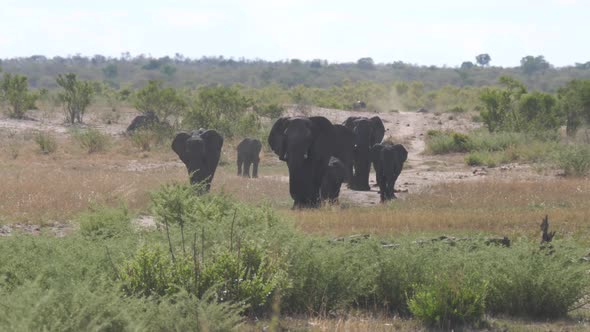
x: 388, y: 160
x: 344, y: 139
x: 368, y: 132
x: 306, y: 145
x: 332, y: 181
x: 199, y: 151
x: 248, y: 154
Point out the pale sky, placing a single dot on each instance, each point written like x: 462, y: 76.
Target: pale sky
x: 445, y: 32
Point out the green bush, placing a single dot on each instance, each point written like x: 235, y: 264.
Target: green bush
x: 46, y: 141
x: 474, y: 159
x: 529, y: 282
x: 574, y: 160
x: 92, y: 140
x: 105, y: 222
x: 449, y: 301
x: 447, y: 142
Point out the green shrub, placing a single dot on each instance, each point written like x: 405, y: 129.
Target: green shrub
x: 449, y: 301
x: 92, y: 140
x: 105, y: 222
x: 474, y: 159
x: 46, y: 141
x: 529, y: 282
x: 447, y: 142
x: 152, y: 272
x: 574, y: 160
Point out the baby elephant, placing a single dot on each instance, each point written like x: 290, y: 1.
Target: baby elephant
x: 332, y: 180
x: 388, y: 160
x: 249, y: 154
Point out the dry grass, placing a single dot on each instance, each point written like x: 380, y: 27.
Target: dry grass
x: 484, y: 207
x: 39, y: 188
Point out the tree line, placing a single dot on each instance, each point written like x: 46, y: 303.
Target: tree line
x: 135, y: 71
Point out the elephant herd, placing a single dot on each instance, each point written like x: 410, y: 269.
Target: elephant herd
x: 320, y: 156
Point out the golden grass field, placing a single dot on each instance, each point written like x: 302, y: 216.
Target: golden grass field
x: 38, y: 188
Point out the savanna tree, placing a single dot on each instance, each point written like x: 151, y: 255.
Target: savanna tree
x: 574, y: 101
x: 224, y: 109
x: 14, y: 90
x: 75, y: 97
x: 531, y: 64
x: 512, y: 108
x: 483, y: 59
x: 162, y: 101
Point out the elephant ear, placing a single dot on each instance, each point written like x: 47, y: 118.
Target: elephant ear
x: 276, y: 137
x: 375, y: 151
x: 402, y: 152
x: 378, y: 130
x: 213, y: 143
x: 323, y: 132
x: 257, y: 145
x: 179, y: 146
x: 349, y: 123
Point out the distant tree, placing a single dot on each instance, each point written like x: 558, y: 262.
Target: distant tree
x: 365, y: 63
x: 14, y: 89
x: 512, y: 108
x: 574, y: 101
x: 168, y: 70
x: 316, y: 63
x: 467, y: 65
x: 483, y: 59
x: 75, y: 97
x: 585, y: 65
x: 178, y: 58
x: 98, y: 59
x: 530, y: 64
x: 296, y: 62
x: 110, y: 71
x: 152, y: 64
x: 224, y: 109
x: 162, y: 101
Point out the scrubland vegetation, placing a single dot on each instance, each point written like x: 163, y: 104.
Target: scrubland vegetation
x: 238, y: 258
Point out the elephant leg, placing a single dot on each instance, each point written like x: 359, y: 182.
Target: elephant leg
x: 383, y: 189
x: 240, y: 162
x: 247, y: 168
x: 361, y: 177
x: 255, y: 168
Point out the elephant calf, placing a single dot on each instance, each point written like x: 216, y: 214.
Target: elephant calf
x: 388, y: 160
x: 200, y: 151
x: 249, y: 154
x: 332, y: 180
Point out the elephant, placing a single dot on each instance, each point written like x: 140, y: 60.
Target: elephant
x: 388, y: 160
x: 344, y: 139
x: 200, y: 151
x: 143, y: 121
x: 249, y: 154
x: 305, y: 144
x: 368, y: 132
x: 332, y: 180
x: 359, y: 104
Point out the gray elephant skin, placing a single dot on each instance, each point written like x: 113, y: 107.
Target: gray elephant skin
x: 248, y: 154
x: 332, y: 181
x: 344, y: 147
x: 388, y: 160
x: 368, y: 132
x: 306, y: 144
x: 143, y: 121
x: 200, y: 151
